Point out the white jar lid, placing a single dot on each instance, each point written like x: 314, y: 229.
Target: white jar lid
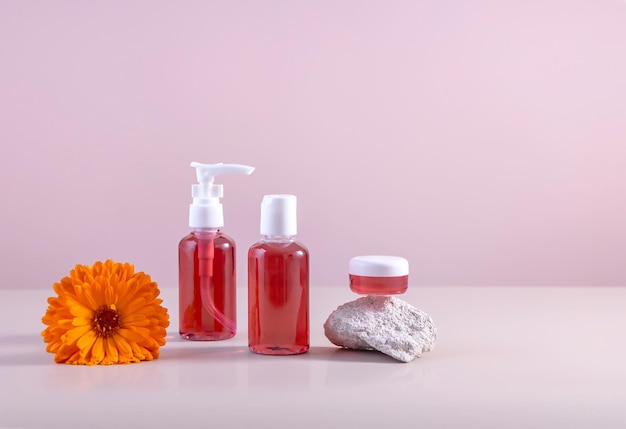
x: 379, y: 266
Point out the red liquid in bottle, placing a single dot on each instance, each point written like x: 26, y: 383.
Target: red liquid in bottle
x: 207, y: 292
x: 278, y: 298
x: 379, y: 285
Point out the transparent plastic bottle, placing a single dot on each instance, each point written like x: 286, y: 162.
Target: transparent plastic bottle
x: 207, y: 286
x: 206, y: 261
x: 278, y: 283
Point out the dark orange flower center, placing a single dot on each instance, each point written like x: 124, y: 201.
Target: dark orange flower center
x: 106, y: 321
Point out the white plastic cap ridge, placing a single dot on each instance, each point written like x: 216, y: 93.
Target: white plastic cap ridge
x: 379, y: 266
x: 279, y: 215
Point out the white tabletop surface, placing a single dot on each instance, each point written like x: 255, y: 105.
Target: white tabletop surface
x: 509, y: 357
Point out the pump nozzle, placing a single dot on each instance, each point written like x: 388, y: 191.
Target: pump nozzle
x: 206, y: 211
x: 206, y: 172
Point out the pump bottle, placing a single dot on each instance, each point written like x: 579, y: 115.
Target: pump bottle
x: 278, y: 282
x: 206, y: 258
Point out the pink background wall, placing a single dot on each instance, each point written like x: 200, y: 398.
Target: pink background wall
x: 483, y: 140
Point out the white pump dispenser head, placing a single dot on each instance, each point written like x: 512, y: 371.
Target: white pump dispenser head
x: 206, y: 211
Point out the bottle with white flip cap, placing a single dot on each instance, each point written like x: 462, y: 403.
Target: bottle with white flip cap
x: 278, y: 282
x: 206, y: 258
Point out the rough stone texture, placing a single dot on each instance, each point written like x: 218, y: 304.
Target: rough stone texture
x: 384, y: 323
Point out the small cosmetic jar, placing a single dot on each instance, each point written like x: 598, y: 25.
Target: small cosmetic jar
x: 379, y: 275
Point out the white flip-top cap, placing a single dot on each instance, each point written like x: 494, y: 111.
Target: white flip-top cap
x: 379, y: 266
x: 279, y: 215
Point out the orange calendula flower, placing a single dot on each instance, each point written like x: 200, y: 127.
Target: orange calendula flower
x: 105, y: 314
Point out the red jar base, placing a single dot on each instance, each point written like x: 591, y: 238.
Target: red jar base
x: 379, y: 285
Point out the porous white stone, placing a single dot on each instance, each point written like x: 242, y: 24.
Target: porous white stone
x: 384, y: 323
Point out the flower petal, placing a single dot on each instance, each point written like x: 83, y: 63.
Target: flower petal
x: 111, y: 349
x: 74, y: 334
x: 86, y: 343
x: 79, y: 310
x: 97, y: 351
x: 123, y: 348
x: 82, y: 321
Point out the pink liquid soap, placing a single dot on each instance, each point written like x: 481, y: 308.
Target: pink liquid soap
x: 207, y: 293
x: 278, y: 298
